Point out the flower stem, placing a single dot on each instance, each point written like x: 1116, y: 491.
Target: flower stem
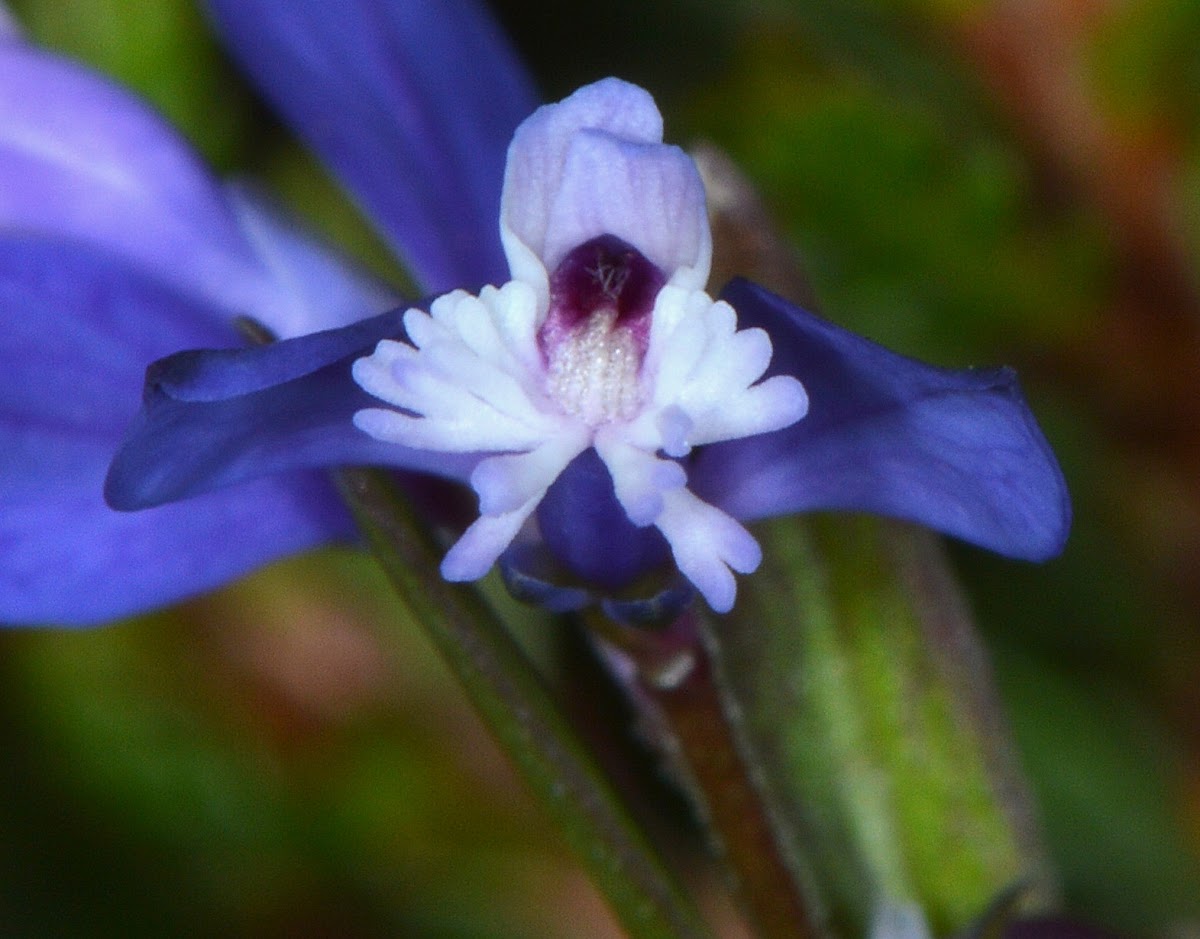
x: 699, y: 726
x: 512, y: 699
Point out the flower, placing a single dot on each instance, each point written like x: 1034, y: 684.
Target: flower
x: 602, y: 406
x: 604, y: 338
x: 118, y: 247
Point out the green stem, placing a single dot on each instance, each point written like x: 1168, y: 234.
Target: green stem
x: 518, y: 708
x: 701, y: 730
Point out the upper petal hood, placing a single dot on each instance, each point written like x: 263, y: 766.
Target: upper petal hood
x: 595, y: 164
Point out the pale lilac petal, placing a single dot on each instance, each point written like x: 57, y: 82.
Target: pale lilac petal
x: 647, y: 194
x: 315, y: 289
x: 538, y: 153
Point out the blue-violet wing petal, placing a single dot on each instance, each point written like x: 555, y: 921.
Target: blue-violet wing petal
x: 957, y: 451
x: 213, y: 418
x: 80, y: 327
x: 71, y: 560
x: 412, y: 104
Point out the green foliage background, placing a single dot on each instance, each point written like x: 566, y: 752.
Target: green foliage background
x: 287, y: 758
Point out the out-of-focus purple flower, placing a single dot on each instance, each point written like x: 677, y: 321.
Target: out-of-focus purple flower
x: 600, y: 403
x: 117, y: 247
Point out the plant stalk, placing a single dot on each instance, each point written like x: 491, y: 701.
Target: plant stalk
x: 513, y: 700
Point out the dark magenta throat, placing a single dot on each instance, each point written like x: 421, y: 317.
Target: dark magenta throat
x: 604, y: 275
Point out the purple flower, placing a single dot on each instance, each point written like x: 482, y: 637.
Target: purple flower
x: 610, y: 415
x: 603, y: 340
x: 117, y: 247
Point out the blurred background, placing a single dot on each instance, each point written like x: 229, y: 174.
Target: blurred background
x: 968, y: 182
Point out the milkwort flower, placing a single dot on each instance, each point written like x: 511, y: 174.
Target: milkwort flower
x: 602, y: 405
x: 604, y: 339
x: 598, y: 344
x: 593, y: 385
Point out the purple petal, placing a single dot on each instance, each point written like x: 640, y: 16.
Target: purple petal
x: 81, y: 159
x: 657, y: 611
x: 214, y: 418
x: 957, y: 451
x: 80, y: 327
x: 70, y: 559
x: 412, y: 104
x: 586, y: 529
x: 529, y: 574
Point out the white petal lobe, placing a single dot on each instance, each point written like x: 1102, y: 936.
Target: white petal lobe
x: 639, y: 478
x: 476, y: 551
x: 506, y: 482
x: 708, y: 546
